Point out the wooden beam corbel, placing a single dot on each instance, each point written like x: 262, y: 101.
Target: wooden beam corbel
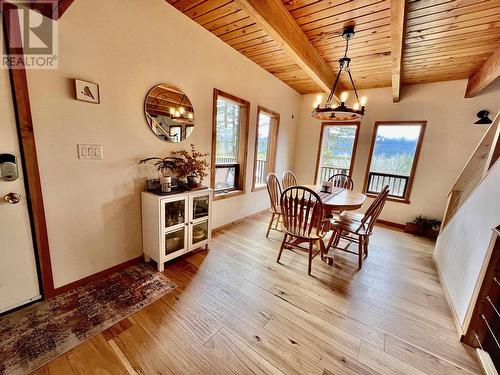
x: 486, y: 74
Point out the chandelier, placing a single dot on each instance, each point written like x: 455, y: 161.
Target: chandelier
x: 342, y: 112
x: 180, y: 114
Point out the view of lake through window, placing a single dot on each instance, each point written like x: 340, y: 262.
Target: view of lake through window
x: 394, y: 149
x: 393, y: 157
x: 337, y: 149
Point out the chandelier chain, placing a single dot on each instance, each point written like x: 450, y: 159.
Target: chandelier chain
x: 332, y: 92
x: 348, y: 70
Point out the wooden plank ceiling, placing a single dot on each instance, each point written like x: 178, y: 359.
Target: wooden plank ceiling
x: 444, y: 39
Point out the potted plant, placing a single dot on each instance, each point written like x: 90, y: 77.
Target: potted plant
x: 191, y: 165
x: 422, y: 226
x: 164, y: 166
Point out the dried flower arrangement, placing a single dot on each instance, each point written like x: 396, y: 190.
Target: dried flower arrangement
x: 191, y: 163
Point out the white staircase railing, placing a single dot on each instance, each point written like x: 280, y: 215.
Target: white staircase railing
x: 481, y: 161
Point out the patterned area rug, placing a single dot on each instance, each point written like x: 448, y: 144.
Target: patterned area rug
x: 33, y: 336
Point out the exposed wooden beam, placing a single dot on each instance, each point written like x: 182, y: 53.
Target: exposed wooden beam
x: 275, y: 19
x: 398, y: 20
x: 486, y: 74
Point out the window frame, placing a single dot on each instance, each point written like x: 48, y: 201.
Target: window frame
x: 354, y: 146
x: 242, y: 144
x: 272, y: 146
x: 411, y: 178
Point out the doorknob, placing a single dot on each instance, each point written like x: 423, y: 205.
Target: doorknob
x: 12, y: 198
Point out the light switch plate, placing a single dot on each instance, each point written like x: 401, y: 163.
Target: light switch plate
x: 86, y: 151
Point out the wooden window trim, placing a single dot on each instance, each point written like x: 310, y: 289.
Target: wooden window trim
x: 272, y: 146
x: 354, y: 146
x: 242, y: 143
x: 406, y: 199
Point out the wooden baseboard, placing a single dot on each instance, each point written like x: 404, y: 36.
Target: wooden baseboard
x: 97, y: 276
x: 379, y: 221
x: 458, y: 326
x: 391, y: 224
x: 225, y: 226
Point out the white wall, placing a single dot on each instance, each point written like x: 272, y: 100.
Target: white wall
x: 450, y: 138
x: 462, y: 246
x: 93, y: 207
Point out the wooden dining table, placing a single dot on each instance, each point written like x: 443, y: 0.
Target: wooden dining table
x: 339, y: 199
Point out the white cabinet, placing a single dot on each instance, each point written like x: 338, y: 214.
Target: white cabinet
x: 175, y: 224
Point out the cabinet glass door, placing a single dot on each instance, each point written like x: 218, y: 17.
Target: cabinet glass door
x: 175, y: 241
x: 175, y: 212
x: 199, y: 232
x: 200, y: 207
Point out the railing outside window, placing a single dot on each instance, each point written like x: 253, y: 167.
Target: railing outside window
x: 260, y: 172
x: 230, y: 160
x: 327, y: 172
x: 397, y: 184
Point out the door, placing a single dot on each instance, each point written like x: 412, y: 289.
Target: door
x: 199, y: 207
x: 174, y: 214
x: 18, y: 270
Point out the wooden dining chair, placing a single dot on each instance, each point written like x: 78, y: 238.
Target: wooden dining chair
x: 302, y: 214
x: 357, y: 228
x: 274, y: 191
x: 288, y: 179
x: 342, y: 180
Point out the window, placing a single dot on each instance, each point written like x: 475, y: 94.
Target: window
x: 337, y: 147
x: 393, y: 158
x: 266, y: 137
x: 229, y: 144
x: 176, y: 133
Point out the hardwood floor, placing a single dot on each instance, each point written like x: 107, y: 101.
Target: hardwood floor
x: 236, y: 311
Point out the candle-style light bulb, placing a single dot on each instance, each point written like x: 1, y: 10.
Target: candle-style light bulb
x: 315, y: 104
x: 181, y: 110
x: 190, y: 116
x: 177, y: 114
x: 363, y: 101
x: 319, y: 98
x: 172, y: 111
x: 356, y: 106
x: 343, y: 96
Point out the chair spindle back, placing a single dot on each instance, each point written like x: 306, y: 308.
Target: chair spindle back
x: 342, y: 180
x: 373, y: 212
x: 288, y: 179
x: 274, y: 191
x: 302, y: 212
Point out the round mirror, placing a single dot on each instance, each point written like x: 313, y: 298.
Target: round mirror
x: 169, y: 113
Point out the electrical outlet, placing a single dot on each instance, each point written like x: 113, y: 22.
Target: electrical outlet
x: 90, y: 152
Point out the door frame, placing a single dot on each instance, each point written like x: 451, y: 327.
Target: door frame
x: 24, y: 124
